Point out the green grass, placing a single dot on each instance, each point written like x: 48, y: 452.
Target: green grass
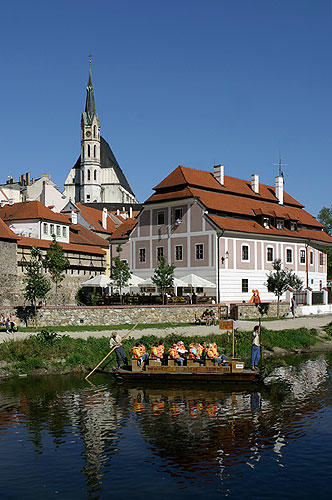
x: 47, y: 350
x: 101, y: 328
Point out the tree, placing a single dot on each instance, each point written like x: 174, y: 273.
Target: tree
x: 325, y: 217
x: 120, y: 271
x: 36, y: 283
x: 279, y: 280
x: 163, y: 276
x: 56, y: 263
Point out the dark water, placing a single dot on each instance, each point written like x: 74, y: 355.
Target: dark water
x: 62, y: 438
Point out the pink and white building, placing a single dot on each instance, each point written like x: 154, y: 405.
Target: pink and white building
x: 228, y: 231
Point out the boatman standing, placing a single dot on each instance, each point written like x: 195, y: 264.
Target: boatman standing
x: 120, y: 354
x: 255, y: 347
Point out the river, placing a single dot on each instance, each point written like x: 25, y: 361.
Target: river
x: 63, y: 438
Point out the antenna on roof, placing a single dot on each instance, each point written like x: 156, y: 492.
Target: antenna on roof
x: 280, y: 164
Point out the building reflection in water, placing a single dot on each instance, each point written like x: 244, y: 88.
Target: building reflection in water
x: 194, y: 431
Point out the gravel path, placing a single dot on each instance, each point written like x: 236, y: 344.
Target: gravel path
x: 307, y: 322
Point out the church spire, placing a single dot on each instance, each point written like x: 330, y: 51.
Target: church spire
x: 90, y: 107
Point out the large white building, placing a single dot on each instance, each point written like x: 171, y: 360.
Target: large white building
x: 96, y: 176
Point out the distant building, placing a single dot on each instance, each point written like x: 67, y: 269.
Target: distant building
x: 96, y: 176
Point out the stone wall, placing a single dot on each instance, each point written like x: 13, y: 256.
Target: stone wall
x: 250, y: 311
x: 10, y: 284
x: 116, y: 315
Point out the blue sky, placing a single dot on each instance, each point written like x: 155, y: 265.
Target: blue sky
x: 178, y: 82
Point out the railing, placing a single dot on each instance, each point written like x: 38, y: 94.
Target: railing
x: 300, y: 298
x: 317, y: 298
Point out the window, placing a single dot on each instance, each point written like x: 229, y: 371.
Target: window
x: 94, y: 151
x: 311, y: 258
x: 58, y: 231
x: 178, y: 215
x: 88, y: 150
x: 266, y: 222
x: 161, y: 217
x: 160, y: 253
x: 94, y: 131
x: 89, y: 175
x: 178, y: 252
x: 321, y: 259
x: 302, y: 256
x: 88, y: 197
x: 289, y: 255
x: 245, y: 252
x: 45, y: 226
x: 51, y: 229
x: 141, y: 255
x: 280, y: 224
x: 95, y: 175
x: 64, y: 232
x: 82, y: 177
x: 293, y: 226
x: 199, y: 251
x: 245, y: 286
x: 269, y: 254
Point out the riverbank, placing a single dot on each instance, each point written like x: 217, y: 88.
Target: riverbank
x: 63, y: 352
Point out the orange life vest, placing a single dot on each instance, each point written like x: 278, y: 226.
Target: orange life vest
x: 154, y: 352
x: 142, y: 349
x: 161, y: 350
x: 136, y: 352
x: 174, y: 353
x: 210, y: 353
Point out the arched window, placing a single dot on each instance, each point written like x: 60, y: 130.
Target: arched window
x: 95, y: 151
x: 88, y: 150
x: 88, y: 175
x: 82, y: 176
x: 94, y: 131
x: 95, y: 174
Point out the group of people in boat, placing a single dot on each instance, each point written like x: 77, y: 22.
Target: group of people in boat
x: 178, y: 352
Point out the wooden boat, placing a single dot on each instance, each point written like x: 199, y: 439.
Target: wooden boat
x: 234, y: 371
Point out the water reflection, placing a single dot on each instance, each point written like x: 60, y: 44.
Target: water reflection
x: 193, y: 435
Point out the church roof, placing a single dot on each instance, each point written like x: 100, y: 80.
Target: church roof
x: 90, y: 107
x: 108, y: 160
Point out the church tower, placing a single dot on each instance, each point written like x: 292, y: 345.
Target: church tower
x: 90, y: 170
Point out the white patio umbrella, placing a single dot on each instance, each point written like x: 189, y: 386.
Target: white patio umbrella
x: 196, y: 281
x: 98, y: 281
x: 135, y: 280
x: 176, y: 282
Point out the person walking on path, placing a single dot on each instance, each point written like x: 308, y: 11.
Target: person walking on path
x: 120, y: 354
x: 293, y: 306
x: 255, y: 347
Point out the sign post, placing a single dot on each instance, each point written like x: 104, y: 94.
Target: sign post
x: 228, y: 325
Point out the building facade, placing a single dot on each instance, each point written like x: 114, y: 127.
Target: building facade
x: 228, y: 231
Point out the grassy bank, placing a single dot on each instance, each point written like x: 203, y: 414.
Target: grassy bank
x: 49, y: 352
x: 101, y: 328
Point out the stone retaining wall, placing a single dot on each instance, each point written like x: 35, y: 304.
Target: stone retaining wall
x: 249, y: 311
x: 117, y: 315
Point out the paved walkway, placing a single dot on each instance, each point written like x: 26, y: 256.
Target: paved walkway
x: 284, y: 324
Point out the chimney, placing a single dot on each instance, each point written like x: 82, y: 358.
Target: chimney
x: 118, y: 212
x: 130, y: 212
x: 255, y: 183
x: 280, y: 189
x: 218, y: 172
x: 27, y: 179
x: 104, y: 219
x: 73, y: 217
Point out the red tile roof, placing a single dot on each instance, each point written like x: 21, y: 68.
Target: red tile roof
x: 6, y: 233
x: 184, y: 176
x: 33, y: 242
x: 94, y: 217
x: 30, y: 210
x: 250, y: 226
x: 123, y: 231
x: 82, y: 236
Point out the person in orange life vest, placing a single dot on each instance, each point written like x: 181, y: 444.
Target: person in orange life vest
x: 162, y: 354
x: 139, y: 353
x: 194, y: 353
x: 212, y: 354
x: 174, y: 354
x: 155, y: 352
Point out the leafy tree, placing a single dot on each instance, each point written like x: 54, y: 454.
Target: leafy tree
x: 36, y: 283
x: 279, y: 280
x: 56, y: 263
x: 163, y: 276
x: 120, y: 271
x: 325, y: 217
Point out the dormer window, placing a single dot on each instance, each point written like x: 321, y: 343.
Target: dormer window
x: 293, y: 226
x: 279, y: 224
x: 266, y: 222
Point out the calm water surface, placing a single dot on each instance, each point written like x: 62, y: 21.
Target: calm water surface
x: 62, y: 438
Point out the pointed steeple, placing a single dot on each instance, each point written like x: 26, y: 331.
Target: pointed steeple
x: 90, y: 107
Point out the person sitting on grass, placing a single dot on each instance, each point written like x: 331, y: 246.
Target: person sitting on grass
x: 205, y: 316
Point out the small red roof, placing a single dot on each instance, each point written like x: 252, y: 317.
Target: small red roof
x: 6, y: 233
x: 94, y: 217
x: 123, y: 231
x: 30, y: 210
x: 33, y: 242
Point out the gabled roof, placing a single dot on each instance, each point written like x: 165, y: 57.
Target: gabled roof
x: 80, y: 235
x: 184, y: 176
x: 30, y: 210
x: 6, y: 233
x: 94, y: 217
x: 86, y: 249
x: 123, y: 231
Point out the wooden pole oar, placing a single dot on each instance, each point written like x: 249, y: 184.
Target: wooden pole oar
x: 113, y: 348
